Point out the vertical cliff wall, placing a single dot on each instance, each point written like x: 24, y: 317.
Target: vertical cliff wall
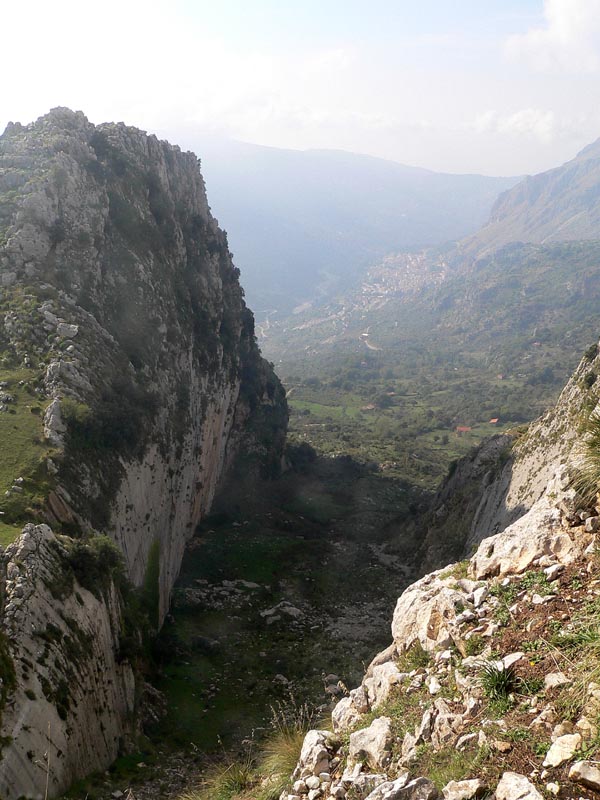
x: 129, y: 381
x: 503, y: 478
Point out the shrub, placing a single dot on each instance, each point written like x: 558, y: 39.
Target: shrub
x: 95, y: 562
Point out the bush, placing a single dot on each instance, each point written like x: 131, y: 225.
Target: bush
x: 95, y: 562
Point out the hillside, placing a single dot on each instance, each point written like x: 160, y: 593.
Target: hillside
x: 303, y: 224
x: 560, y: 205
x: 130, y: 380
x: 427, y: 344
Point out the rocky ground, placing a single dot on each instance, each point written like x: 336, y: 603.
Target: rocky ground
x: 492, y: 686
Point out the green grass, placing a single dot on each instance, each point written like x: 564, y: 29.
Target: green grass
x: 448, y: 764
x: 8, y: 533
x: 24, y: 449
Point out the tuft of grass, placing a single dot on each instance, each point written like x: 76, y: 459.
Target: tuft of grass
x: 416, y: 657
x: 587, y: 478
x: 498, y: 682
x: 280, y: 752
x: 536, y: 582
x: 267, y: 775
x: 459, y: 570
x: 474, y: 645
x: 225, y: 782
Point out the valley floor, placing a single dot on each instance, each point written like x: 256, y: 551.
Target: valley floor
x: 282, y: 594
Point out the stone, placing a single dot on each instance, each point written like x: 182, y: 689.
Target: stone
x: 66, y: 330
x: 312, y: 782
x: 447, y: 725
x: 300, y: 787
x: 409, y: 748
x: 465, y: 740
x: 54, y: 427
x: 314, y: 793
x: 562, y: 729
x: 513, y: 786
x: 553, y: 788
x: 545, y: 719
x: 555, y: 679
x: 508, y: 661
x: 419, y: 789
x: 587, y: 773
x: 464, y: 790
x: 314, y: 756
x: 563, y: 749
x: 592, y: 524
x: 535, y: 534
x: 372, y: 744
x: 586, y: 728
x: 479, y: 595
x: 366, y: 782
x: 348, y: 710
x: 553, y: 571
x: 426, y: 613
x: 379, y: 685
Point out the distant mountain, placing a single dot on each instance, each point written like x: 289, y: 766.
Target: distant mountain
x: 302, y: 224
x: 562, y: 204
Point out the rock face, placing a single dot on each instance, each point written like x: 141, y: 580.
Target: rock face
x: 124, y: 306
x: 503, y: 478
x: 74, y: 695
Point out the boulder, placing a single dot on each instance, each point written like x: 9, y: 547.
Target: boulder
x: 367, y: 782
x: 538, y: 533
x: 562, y: 749
x: 419, y: 789
x: 513, y: 786
x: 383, y: 679
x: 314, y: 756
x: 66, y: 330
x: 464, y: 790
x: 372, y: 744
x: 426, y: 613
x: 348, y: 711
x: 587, y: 773
x: 555, y: 679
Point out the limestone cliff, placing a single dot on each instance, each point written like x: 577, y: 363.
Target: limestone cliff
x: 504, y: 476
x: 129, y: 382
x: 72, y: 698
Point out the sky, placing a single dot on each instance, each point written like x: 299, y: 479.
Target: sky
x: 500, y: 87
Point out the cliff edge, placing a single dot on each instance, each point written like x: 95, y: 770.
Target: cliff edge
x: 130, y: 381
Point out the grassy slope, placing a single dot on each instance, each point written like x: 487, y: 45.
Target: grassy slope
x: 24, y: 451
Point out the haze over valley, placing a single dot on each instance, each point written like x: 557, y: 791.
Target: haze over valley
x: 300, y: 401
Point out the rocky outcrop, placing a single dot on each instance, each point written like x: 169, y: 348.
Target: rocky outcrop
x: 120, y: 303
x: 484, y: 660
x: 505, y: 476
x: 73, y: 698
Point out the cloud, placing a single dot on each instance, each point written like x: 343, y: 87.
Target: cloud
x: 530, y: 122
x: 567, y: 42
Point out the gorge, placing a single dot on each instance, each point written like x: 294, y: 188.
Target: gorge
x: 144, y: 439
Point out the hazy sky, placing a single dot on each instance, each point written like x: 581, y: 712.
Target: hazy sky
x: 493, y: 86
